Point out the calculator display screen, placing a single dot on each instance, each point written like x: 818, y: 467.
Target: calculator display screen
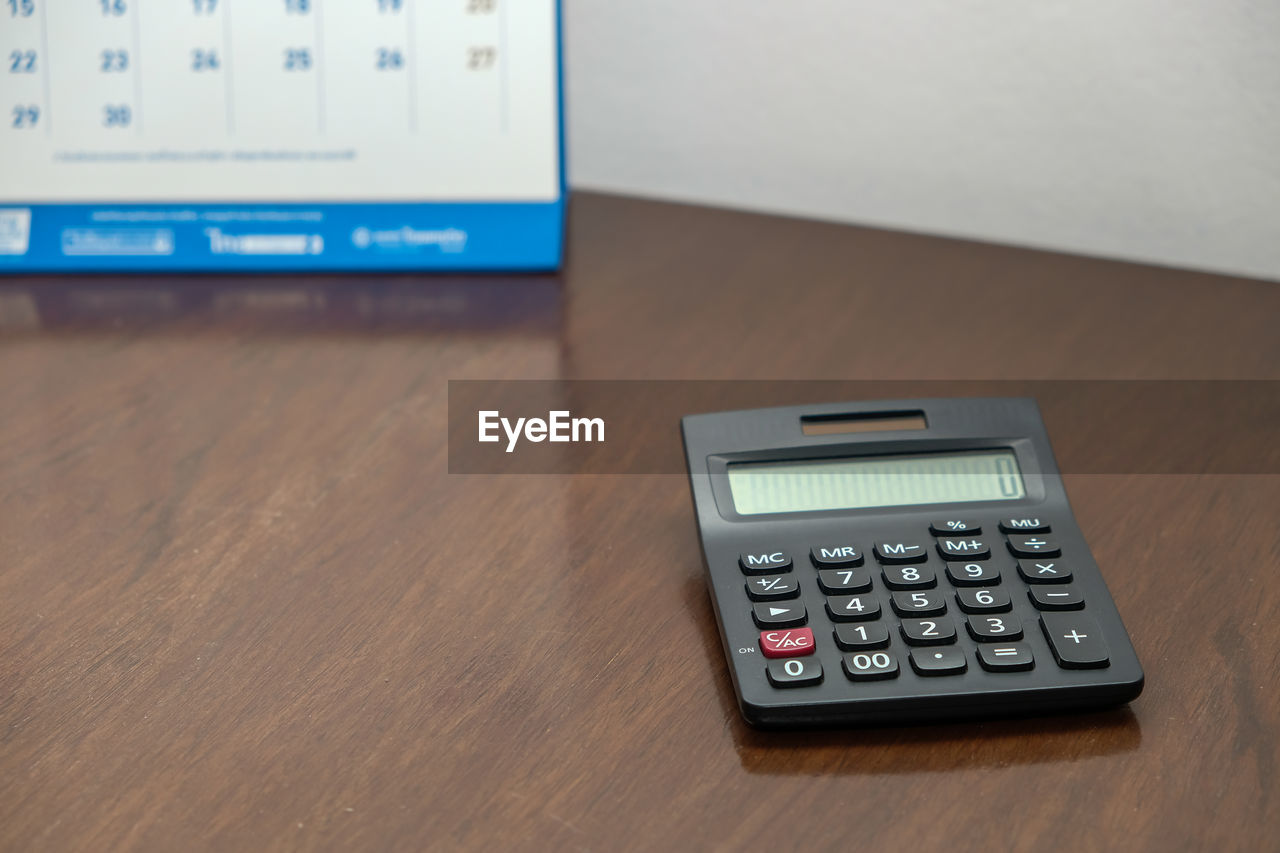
x: 875, y: 481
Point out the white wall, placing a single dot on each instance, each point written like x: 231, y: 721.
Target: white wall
x: 1139, y: 129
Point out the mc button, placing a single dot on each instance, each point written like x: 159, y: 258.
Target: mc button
x: 765, y: 562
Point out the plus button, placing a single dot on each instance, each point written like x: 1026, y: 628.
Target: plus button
x: 1074, y: 636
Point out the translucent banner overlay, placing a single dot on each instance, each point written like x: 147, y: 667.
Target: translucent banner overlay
x: 633, y: 426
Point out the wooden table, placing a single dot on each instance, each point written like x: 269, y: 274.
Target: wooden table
x: 243, y: 605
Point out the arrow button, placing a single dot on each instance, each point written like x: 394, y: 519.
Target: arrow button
x: 779, y: 615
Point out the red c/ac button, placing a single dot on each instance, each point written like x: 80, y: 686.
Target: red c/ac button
x: 788, y: 643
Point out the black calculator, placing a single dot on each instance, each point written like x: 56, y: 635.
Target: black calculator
x: 900, y: 560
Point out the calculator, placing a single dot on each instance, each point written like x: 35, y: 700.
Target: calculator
x: 906, y: 560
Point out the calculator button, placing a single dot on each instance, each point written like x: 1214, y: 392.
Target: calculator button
x: 1024, y: 525
x: 772, y: 587
x: 864, y: 635
x: 1033, y: 546
x: 779, y: 615
x: 1044, y: 571
x: 972, y: 574
x: 995, y: 629
x: 837, y: 581
x: 869, y: 666
x: 952, y: 526
x: 963, y: 549
x: 853, y: 608
x: 928, y: 632
x: 1076, y: 640
x: 794, y: 672
x: 1056, y: 598
x: 1006, y: 657
x: 835, y: 556
x: 788, y: 643
x: 938, y: 661
x: 901, y: 552
x: 765, y: 563
x: 983, y: 600
x: 909, y: 577
x: 927, y: 603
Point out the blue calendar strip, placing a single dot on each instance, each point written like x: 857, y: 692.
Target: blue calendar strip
x: 279, y: 237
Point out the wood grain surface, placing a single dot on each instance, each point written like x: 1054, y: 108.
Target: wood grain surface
x: 244, y: 606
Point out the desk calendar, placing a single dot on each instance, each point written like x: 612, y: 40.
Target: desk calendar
x: 280, y: 134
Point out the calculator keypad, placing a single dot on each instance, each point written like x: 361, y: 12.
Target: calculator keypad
x: 876, y: 621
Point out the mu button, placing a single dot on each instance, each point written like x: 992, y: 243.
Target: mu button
x: 789, y: 643
x: 779, y: 614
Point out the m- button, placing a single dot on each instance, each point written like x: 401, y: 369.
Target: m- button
x: 900, y: 552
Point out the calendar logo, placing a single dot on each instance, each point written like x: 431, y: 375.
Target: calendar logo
x: 15, y: 230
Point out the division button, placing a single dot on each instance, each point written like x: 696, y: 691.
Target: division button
x: 1005, y: 657
x: 953, y: 526
x: 1024, y: 525
x: 900, y: 552
x: 837, y: 581
x: 794, y: 672
x: 963, y: 549
x: 870, y: 666
x: 1056, y: 597
x: 835, y: 556
x: 765, y: 562
x: 1033, y: 546
x: 772, y: 587
x: 1076, y: 640
x: 786, y: 643
x: 1044, y: 571
x: 779, y: 614
x: 864, y: 635
x: 853, y: 608
x: 934, y: 661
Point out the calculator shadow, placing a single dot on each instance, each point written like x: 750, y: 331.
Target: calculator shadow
x: 931, y: 747
x: 282, y: 304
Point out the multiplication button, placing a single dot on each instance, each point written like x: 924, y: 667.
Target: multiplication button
x: 1044, y: 571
